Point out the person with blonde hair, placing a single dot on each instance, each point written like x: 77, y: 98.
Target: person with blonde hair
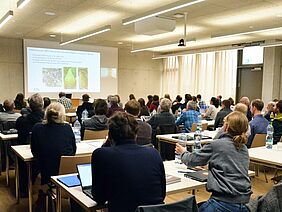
x: 228, y: 163
x: 51, y: 140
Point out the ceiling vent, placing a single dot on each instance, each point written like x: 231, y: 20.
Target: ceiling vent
x: 154, y: 26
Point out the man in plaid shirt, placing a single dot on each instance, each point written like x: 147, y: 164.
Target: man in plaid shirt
x: 202, y: 105
x: 64, y: 100
x: 189, y: 117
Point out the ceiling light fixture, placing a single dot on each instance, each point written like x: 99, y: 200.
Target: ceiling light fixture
x: 161, y: 10
x: 6, y: 18
x: 50, y: 13
x: 245, y: 33
x: 96, y: 32
x: 22, y: 3
x: 161, y: 46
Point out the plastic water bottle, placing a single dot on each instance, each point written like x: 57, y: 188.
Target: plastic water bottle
x: 84, y: 114
x: 76, y: 130
x: 182, y: 140
x: 198, y: 135
x: 269, y: 136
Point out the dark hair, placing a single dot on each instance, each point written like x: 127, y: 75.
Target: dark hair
x: 122, y: 127
x: 85, y: 97
x: 131, y: 96
x: 215, y: 102
x: 19, y: 97
x: 150, y: 97
x: 61, y: 94
x: 132, y: 107
x: 141, y: 102
x: 155, y: 98
x: 258, y: 104
x: 188, y: 97
x: 118, y: 98
x: 8, y: 105
x: 226, y: 103
x: 178, y: 98
x: 231, y: 101
x: 279, y: 106
x: 100, y: 107
x: 199, y: 96
x: 46, y: 102
x: 194, y: 98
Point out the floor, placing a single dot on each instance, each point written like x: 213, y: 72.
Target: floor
x: 8, y: 201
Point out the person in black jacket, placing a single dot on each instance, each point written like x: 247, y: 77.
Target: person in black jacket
x: 219, y: 119
x: 51, y: 140
x: 24, y: 125
x: 86, y: 105
x: 277, y: 122
x: 116, y: 170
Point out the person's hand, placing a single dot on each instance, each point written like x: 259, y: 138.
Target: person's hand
x: 179, y: 149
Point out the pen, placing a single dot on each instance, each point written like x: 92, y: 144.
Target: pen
x: 184, y: 172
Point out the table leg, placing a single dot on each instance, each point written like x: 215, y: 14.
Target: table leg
x: 29, y: 186
x: 58, y: 199
x: 7, y: 163
x: 17, y: 179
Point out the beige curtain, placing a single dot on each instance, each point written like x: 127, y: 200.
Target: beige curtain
x: 208, y: 74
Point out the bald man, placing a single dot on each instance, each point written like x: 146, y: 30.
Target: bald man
x: 245, y: 100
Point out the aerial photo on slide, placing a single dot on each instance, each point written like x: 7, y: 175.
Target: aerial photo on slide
x: 83, y: 78
x: 52, y: 77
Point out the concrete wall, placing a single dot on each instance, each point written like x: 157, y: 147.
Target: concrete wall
x: 11, y: 68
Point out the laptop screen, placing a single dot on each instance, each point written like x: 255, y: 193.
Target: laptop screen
x: 85, y: 174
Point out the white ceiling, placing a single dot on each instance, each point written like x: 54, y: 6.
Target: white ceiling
x: 75, y: 17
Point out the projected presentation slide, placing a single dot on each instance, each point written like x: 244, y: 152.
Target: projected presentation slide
x: 54, y: 70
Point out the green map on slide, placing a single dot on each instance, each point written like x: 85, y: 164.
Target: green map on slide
x: 69, y: 78
x: 83, y: 78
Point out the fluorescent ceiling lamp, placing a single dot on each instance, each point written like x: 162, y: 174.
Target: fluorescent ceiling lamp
x: 22, y: 3
x: 245, y: 33
x: 6, y: 18
x: 271, y: 44
x: 162, y: 46
x: 161, y: 10
x: 96, y: 32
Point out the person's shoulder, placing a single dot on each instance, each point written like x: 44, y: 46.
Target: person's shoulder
x: 38, y: 126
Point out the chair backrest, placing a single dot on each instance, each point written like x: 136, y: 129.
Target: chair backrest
x: 68, y: 163
x: 259, y: 140
x: 7, y: 125
x: 166, y: 129
x: 98, y: 134
x: 188, y: 204
x: 194, y: 127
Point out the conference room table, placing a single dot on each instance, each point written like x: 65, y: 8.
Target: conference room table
x: 6, y: 138
x: 171, y: 168
x: 173, y: 138
x: 23, y: 152
x: 267, y: 157
x: 71, y: 116
x: 88, y: 204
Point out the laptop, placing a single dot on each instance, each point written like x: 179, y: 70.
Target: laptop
x: 85, y: 176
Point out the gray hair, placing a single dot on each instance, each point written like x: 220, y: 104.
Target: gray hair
x: 192, y: 105
x: 36, y: 102
x: 165, y: 105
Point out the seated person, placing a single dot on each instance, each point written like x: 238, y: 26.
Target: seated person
x: 46, y: 102
x: 51, y: 140
x: 155, y: 104
x: 9, y: 114
x: 86, y: 105
x: 19, y: 101
x: 212, y: 110
x: 201, y: 104
x: 99, y: 120
x: 176, y: 104
x: 64, y: 100
x: 228, y: 164
x: 127, y: 175
x: 188, y: 117
x: 144, y: 132
x: 277, y: 122
x: 144, y: 111
x: 113, y: 101
x: 225, y: 105
x: 259, y: 123
x: 24, y: 125
x: 245, y: 100
x: 269, y: 110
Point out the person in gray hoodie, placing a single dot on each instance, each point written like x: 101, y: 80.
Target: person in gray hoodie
x: 228, y: 164
x: 99, y: 121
